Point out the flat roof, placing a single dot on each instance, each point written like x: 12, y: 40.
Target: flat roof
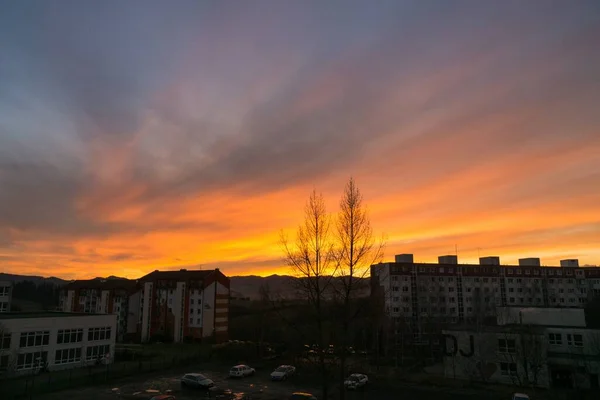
x: 44, y: 314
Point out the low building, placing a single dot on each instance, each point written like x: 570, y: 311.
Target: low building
x: 183, y: 305
x: 31, y: 342
x: 535, y: 346
x: 5, y: 296
x: 100, y: 296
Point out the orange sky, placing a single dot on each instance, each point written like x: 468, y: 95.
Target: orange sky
x: 169, y: 143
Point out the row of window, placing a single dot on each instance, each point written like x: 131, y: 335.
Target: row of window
x: 69, y: 336
x: 38, y: 359
x: 572, y: 339
x: 42, y: 338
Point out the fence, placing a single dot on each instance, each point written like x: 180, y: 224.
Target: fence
x: 33, y: 386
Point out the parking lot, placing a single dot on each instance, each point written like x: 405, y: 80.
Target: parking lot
x: 256, y: 387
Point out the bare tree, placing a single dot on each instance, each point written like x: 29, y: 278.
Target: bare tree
x: 355, y: 251
x: 311, y: 258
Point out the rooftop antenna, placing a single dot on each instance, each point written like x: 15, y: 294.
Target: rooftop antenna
x: 478, y: 252
x: 456, y: 250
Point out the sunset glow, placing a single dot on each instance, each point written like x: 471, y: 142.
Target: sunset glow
x: 153, y: 135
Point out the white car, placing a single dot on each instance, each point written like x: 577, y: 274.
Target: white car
x: 520, y: 396
x: 356, y: 381
x: 198, y: 381
x: 240, y: 371
x: 282, y: 372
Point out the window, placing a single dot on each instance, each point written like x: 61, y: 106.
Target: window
x: 512, y: 299
x: 506, y: 346
x: 395, y: 288
x: 452, y: 300
x: 575, y: 340
x: 69, y: 336
x: 198, y: 321
x: 32, y: 360
x: 95, y: 352
x: 31, y: 339
x: 405, y: 288
x: 67, y: 356
x: 451, y: 289
x: 485, y: 280
x: 99, y: 333
x: 511, y: 290
x: 396, y: 309
x: 510, y: 280
x: 4, y: 362
x: 423, y: 309
x: 191, y: 310
x: 191, y: 320
x: 3, y: 307
x: 507, y: 369
x: 192, y: 300
x: 406, y: 309
x: 5, y: 341
x: 469, y: 309
x: 4, y: 290
x: 555, y: 338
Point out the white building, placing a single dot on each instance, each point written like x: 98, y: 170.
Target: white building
x: 101, y: 296
x: 183, y: 305
x: 535, y: 346
x: 454, y: 292
x: 55, y: 340
x: 5, y: 296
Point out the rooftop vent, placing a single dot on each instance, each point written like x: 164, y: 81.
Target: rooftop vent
x: 529, y: 262
x: 448, y: 259
x: 491, y: 260
x: 573, y: 262
x: 404, y: 258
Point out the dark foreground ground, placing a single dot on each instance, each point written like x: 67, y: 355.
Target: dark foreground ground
x: 258, y: 387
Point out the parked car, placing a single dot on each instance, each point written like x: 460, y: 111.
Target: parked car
x: 356, y: 381
x: 520, y: 396
x: 302, y: 396
x: 240, y: 371
x: 283, y: 372
x: 197, y: 381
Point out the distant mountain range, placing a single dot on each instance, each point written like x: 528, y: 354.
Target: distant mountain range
x: 241, y: 286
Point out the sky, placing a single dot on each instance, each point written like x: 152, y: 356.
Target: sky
x: 146, y: 135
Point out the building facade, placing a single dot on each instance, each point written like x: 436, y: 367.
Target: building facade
x: 183, y: 305
x: 454, y: 292
x: 100, y: 296
x: 552, y: 349
x: 30, y: 342
x: 5, y: 296
x: 163, y: 305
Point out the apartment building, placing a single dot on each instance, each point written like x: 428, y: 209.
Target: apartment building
x: 54, y: 340
x: 5, y: 296
x: 455, y: 292
x: 183, y: 305
x: 100, y: 296
x: 543, y: 347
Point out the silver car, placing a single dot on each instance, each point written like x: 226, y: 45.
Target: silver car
x: 197, y: 381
